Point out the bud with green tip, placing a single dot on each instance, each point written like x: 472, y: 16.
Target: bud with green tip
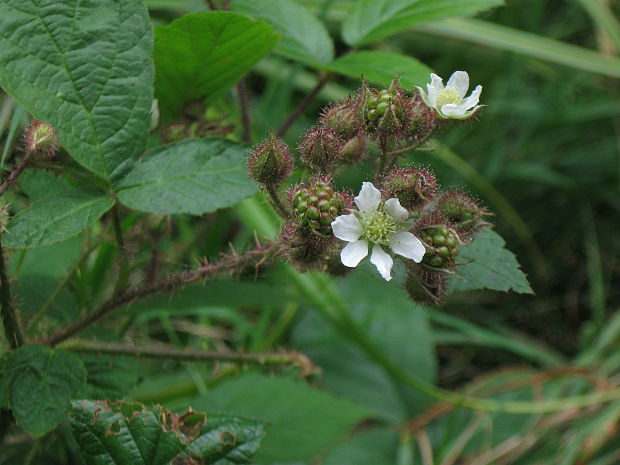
x: 270, y: 163
x: 41, y: 138
x: 342, y: 118
x: 463, y: 212
x: 320, y: 148
x: 414, y: 188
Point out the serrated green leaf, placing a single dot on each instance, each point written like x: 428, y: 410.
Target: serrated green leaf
x: 203, y: 54
x: 41, y: 382
x: 380, y: 68
x: 301, y: 420
x: 376, y: 447
x: 84, y: 67
x: 56, y: 218
x: 304, y: 36
x: 38, y: 184
x: 119, y: 433
x: 492, y: 266
x: 194, y: 176
x: 395, y: 324
x: 372, y: 20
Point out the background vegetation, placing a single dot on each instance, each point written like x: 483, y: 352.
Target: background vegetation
x: 543, y: 369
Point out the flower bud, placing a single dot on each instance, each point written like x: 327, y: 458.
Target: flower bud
x: 422, y: 120
x: 354, y: 150
x: 316, y: 206
x: 41, y: 138
x: 412, y: 187
x: 425, y: 286
x: 320, y: 148
x: 270, y: 162
x: 342, y: 118
x: 464, y: 213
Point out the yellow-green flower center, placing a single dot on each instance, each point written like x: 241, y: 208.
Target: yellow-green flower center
x: 378, y: 226
x: 447, y: 95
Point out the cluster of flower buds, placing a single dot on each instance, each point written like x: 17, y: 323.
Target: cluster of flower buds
x: 406, y: 216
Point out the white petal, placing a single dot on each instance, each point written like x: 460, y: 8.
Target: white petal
x: 369, y: 198
x: 382, y: 261
x: 424, y: 96
x: 434, y: 88
x: 452, y: 110
x: 396, y: 210
x: 459, y: 81
x: 473, y: 99
x: 347, y: 228
x: 353, y: 253
x: 407, y: 245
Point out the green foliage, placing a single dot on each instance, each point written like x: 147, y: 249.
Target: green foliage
x: 371, y: 20
x: 39, y: 382
x: 489, y: 266
x: 300, y: 420
x: 85, y: 69
x: 118, y: 433
x: 56, y: 218
x: 194, y: 176
x: 380, y: 68
x: 109, y: 377
x: 304, y: 37
x: 202, y: 54
x: 402, y: 333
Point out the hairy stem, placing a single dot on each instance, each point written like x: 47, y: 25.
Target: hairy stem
x: 189, y: 355
x: 14, y: 174
x: 276, y: 202
x: 299, y: 109
x: 123, y: 274
x: 12, y: 331
x: 246, y: 120
x: 229, y: 264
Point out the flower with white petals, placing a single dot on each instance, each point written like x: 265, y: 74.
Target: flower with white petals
x: 376, y: 224
x: 450, y: 101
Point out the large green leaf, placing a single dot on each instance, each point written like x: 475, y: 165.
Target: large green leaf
x: 395, y: 324
x: 372, y: 20
x: 194, y: 176
x: 301, y: 421
x: 119, y: 433
x: 85, y: 67
x: 56, y: 218
x: 376, y: 447
x: 380, y: 68
x: 203, y: 54
x: 40, y: 383
x: 491, y: 266
x: 304, y: 36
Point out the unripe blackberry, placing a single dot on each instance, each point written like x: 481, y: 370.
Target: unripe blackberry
x: 463, y: 212
x: 341, y: 117
x: 316, y: 206
x: 306, y: 251
x: 320, y: 148
x: 386, y: 112
x: 412, y: 187
x: 270, y: 163
x: 41, y: 138
x: 443, y: 246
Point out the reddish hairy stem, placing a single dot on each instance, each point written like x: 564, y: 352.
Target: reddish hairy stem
x: 229, y: 264
x: 14, y: 174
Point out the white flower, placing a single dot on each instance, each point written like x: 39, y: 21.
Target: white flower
x: 450, y: 101
x: 376, y: 224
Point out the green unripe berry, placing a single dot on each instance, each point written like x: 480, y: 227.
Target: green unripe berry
x: 313, y: 213
x: 382, y: 107
x: 439, y: 239
x: 435, y: 261
x: 324, y: 205
x: 325, y: 219
x: 302, y: 206
x: 444, y: 251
